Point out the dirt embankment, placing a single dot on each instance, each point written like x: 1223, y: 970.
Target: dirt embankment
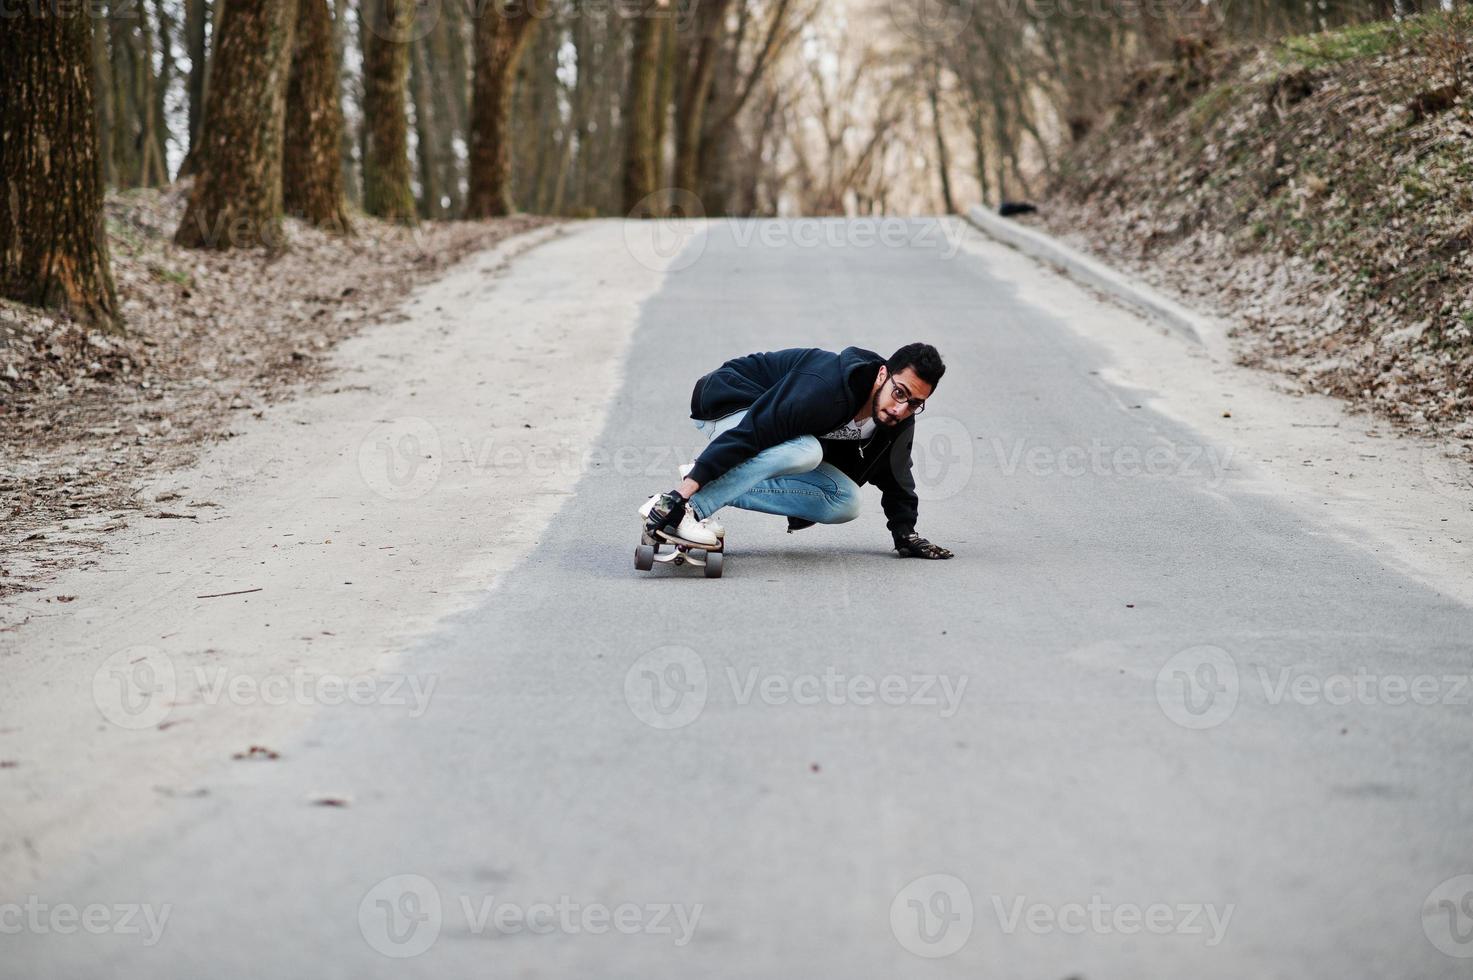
x: 1317, y: 193
x: 85, y: 416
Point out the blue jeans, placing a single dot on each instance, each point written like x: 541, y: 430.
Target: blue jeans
x: 789, y: 479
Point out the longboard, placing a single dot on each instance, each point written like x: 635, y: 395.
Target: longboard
x: 669, y: 550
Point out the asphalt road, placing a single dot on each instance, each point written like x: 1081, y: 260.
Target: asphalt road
x: 1148, y: 722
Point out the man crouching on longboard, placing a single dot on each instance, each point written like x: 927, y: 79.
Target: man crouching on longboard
x: 796, y: 433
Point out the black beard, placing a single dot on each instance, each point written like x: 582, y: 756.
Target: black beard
x: 874, y: 411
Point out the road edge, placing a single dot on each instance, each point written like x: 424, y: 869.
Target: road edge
x: 1182, y: 320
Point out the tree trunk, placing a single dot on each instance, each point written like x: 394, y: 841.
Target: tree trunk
x: 102, y: 88
x: 236, y: 201
x: 604, y: 191
x: 664, y: 98
x: 943, y: 160
x: 641, y: 155
x: 534, y: 101
x: 586, y: 55
x: 215, y: 11
x: 347, y: 161
x: 386, y: 189
x: 447, y: 80
x: 196, y: 13
x: 695, y: 90
x: 153, y: 127
x: 500, y: 36
x: 53, y: 243
x: 123, y: 57
x: 311, y: 168
x: 979, y: 152
x: 167, y: 70
x: 426, y: 138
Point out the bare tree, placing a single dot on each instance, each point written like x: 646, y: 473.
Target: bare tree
x: 236, y: 200
x: 387, y: 192
x: 943, y: 159
x: 196, y: 18
x: 53, y: 249
x: 500, y: 35
x: 641, y: 125
x: 312, y: 174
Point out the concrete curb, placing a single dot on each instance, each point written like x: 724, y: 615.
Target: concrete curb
x: 1075, y: 264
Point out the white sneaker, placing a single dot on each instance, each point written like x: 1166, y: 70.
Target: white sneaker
x: 689, y: 530
x: 712, y: 524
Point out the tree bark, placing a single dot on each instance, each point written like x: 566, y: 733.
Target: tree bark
x: 214, y: 11
x: 236, y: 200
x: 123, y: 58
x: 447, y: 93
x: 535, y: 100
x: 53, y: 243
x: 346, y: 159
x: 311, y: 166
x: 167, y: 70
x: 501, y: 33
x: 641, y: 156
x: 586, y: 55
x: 426, y: 139
x: 664, y: 98
x: 943, y: 159
x: 386, y: 188
x: 196, y: 13
x: 695, y: 90
x: 102, y: 89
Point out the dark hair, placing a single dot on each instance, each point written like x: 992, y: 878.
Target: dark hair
x: 923, y: 358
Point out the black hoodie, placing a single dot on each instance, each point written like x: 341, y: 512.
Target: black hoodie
x: 807, y: 391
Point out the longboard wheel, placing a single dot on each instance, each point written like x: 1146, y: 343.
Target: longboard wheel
x: 644, y: 557
x: 713, y: 564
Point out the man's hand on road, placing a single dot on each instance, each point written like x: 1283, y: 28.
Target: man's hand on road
x: 912, y: 545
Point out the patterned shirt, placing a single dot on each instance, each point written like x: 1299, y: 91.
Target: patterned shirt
x: 852, y: 431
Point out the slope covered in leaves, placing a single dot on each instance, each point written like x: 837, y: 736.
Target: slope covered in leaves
x: 1317, y: 192
x: 87, y: 416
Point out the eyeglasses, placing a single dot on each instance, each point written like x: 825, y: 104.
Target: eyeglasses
x: 898, y: 392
